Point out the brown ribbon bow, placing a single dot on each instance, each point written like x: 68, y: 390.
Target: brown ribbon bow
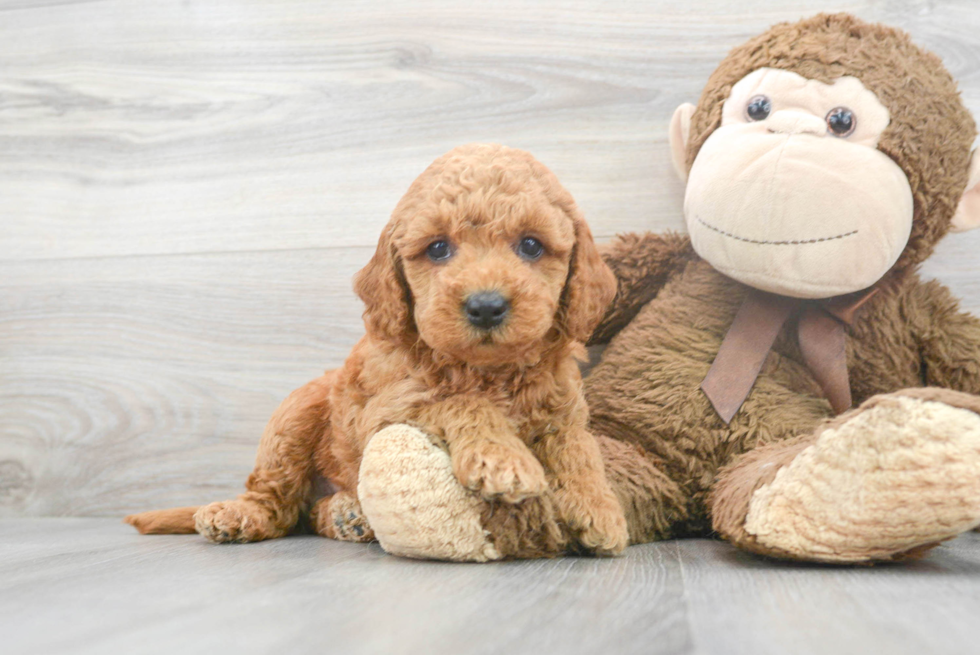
x: 754, y: 330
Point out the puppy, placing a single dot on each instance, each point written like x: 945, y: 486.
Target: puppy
x: 484, y: 286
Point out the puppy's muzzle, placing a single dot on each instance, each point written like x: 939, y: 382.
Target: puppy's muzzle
x: 486, y: 309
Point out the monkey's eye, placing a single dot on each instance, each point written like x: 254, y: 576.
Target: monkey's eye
x: 530, y: 248
x: 758, y: 108
x: 841, y: 121
x: 439, y: 251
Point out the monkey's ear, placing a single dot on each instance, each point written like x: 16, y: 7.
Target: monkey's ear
x: 680, y: 129
x: 967, y: 214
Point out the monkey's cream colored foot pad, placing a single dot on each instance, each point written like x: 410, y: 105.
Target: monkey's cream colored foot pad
x: 415, y: 504
x: 899, y: 473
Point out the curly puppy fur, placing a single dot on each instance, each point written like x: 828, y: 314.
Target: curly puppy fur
x: 507, y: 401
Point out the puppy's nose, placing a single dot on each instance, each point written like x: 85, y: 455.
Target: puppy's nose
x: 486, y: 309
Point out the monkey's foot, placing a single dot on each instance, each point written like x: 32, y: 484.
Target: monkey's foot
x: 888, y: 480
x: 415, y: 504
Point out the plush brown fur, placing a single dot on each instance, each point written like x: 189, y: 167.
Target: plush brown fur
x: 508, y: 403
x: 688, y: 468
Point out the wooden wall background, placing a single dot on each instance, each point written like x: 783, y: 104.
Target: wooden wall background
x: 186, y: 189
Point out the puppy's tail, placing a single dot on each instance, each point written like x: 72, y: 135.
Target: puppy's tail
x: 179, y: 520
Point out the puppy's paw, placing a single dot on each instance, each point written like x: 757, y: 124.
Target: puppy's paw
x: 598, y: 522
x: 340, y: 517
x: 607, y: 534
x: 498, y: 471
x: 234, y: 521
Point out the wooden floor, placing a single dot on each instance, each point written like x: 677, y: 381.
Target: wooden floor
x: 94, y: 586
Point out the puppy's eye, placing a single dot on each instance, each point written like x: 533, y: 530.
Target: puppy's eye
x: 841, y: 121
x: 530, y: 248
x: 439, y: 251
x: 758, y: 108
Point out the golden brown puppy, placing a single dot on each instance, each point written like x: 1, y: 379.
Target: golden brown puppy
x: 484, y: 285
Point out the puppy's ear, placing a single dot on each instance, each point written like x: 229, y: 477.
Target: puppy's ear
x: 382, y: 287
x: 591, y: 286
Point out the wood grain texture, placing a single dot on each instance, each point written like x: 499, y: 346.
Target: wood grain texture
x: 94, y: 586
x: 743, y: 605
x: 187, y: 187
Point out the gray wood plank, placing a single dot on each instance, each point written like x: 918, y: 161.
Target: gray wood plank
x: 93, y: 586
x: 135, y: 381
x: 739, y: 603
x: 198, y: 127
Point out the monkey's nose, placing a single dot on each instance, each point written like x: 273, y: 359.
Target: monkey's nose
x: 486, y: 309
x: 789, y: 121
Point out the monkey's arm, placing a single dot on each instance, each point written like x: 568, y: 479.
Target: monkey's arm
x: 948, y: 338
x: 642, y: 264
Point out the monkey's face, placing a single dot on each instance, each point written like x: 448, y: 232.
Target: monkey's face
x: 791, y: 195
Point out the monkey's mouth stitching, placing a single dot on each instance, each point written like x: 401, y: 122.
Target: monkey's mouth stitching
x: 774, y: 243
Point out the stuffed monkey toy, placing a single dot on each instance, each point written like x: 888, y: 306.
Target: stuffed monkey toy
x: 780, y: 376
